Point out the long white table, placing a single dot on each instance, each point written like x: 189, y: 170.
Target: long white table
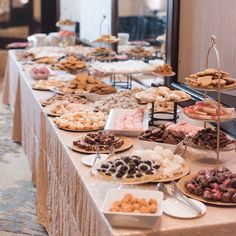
x: 68, y: 198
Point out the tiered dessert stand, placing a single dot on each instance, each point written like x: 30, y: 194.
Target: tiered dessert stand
x: 219, y: 89
x: 174, y: 114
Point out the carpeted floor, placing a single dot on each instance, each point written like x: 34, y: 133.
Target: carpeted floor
x: 17, y: 195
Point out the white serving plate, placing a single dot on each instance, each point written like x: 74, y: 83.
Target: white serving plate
x: 181, y: 211
x: 88, y: 160
x: 112, y: 118
x: 137, y: 220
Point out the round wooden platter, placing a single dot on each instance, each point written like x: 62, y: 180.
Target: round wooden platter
x: 44, y: 88
x: 128, y: 143
x: 142, y: 180
x: 184, y: 171
x: 181, y: 186
x: 47, y: 109
x: 76, y: 130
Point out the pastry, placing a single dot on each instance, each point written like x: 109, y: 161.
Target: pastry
x: 207, y: 139
x: 128, y: 168
x: 164, y: 70
x: 71, y: 64
x: 208, y: 110
x: 138, y: 52
x: 81, y: 121
x: 85, y: 83
x: 107, y: 38
x: 47, y: 84
x: 124, y: 100
x: 211, y: 79
x: 130, y: 204
x: 161, y: 94
x: 130, y: 121
x: 169, y: 133
x: 170, y: 164
x: 103, y: 140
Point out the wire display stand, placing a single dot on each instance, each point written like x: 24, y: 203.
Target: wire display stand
x: 218, y: 90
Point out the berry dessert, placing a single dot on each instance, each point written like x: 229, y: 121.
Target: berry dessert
x: 104, y: 140
x: 208, y: 110
x: 217, y: 184
x: 128, y: 168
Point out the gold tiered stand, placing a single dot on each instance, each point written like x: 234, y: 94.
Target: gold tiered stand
x: 218, y: 90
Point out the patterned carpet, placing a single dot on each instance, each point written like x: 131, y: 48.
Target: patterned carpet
x: 17, y: 195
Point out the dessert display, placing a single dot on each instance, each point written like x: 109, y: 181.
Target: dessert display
x: 163, y: 107
x: 128, y: 169
x: 47, y: 84
x: 139, y: 52
x: 46, y: 60
x: 208, y: 110
x: 164, y: 70
x: 24, y: 56
x: 107, y: 38
x: 207, y: 139
x: 85, y: 83
x: 125, y: 100
x: 161, y: 94
x: 17, y: 45
x: 171, y: 166
x: 67, y: 98
x: 208, y: 79
x: 128, y: 122
x: 132, y: 120
x: 65, y: 22
x: 40, y: 72
x: 61, y: 107
x: 213, y: 185
x: 123, y: 67
x: 71, y: 64
x: 81, y: 121
x: 169, y: 133
x: 129, y: 203
x: 102, y: 139
x: 103, y: 54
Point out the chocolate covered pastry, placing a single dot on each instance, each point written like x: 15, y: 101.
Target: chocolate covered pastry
x: 207, y: 139
x: 128, y: 167
x: 104, y: 140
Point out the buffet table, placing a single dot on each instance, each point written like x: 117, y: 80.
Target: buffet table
x: 68, y: 197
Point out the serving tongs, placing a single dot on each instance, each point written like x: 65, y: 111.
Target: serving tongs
x: 177, y: 193
x: 98, y: 156
x: 179, y: 201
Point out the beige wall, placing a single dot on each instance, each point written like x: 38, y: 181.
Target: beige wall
x: 198, y: 20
